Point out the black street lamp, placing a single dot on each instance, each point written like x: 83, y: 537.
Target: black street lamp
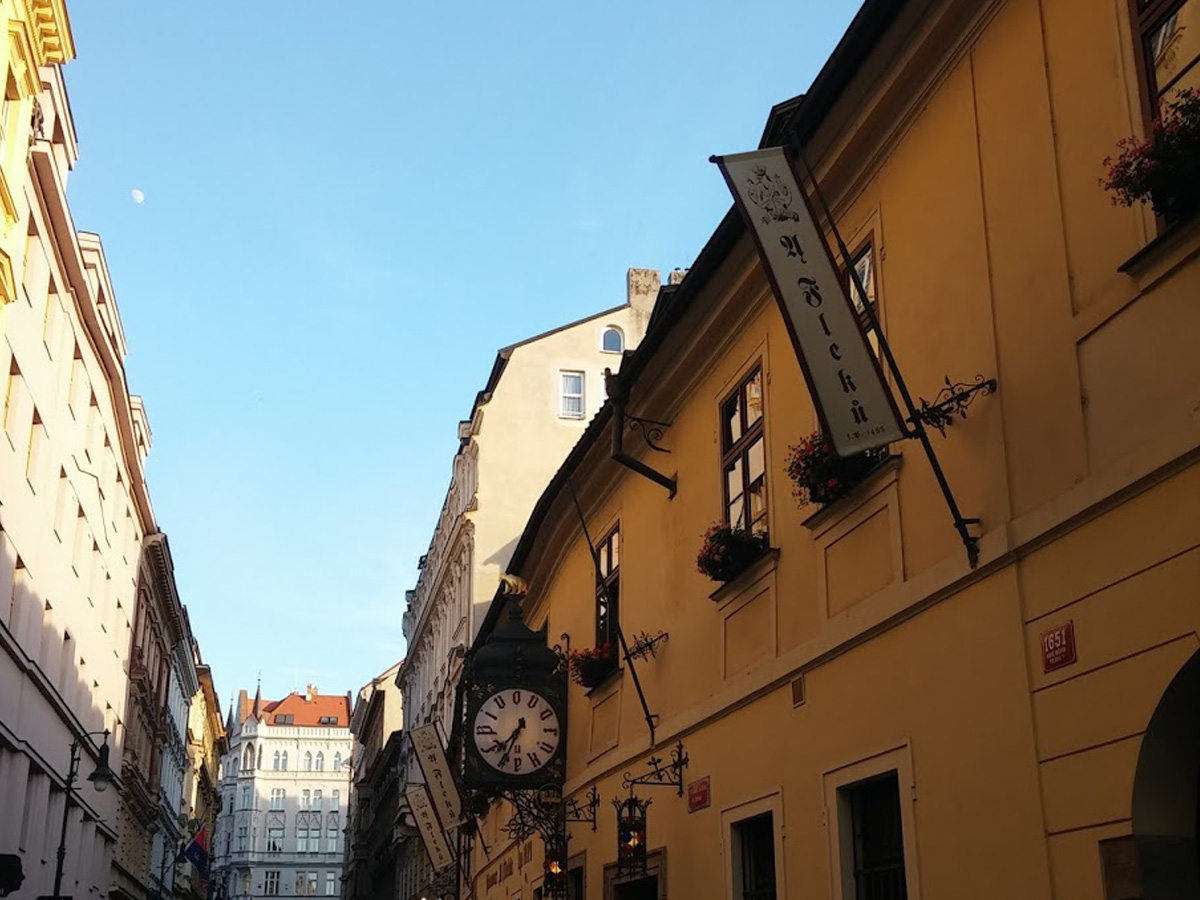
x: 100, y: 779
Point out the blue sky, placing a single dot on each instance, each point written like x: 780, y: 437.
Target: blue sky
x: 348, y: 209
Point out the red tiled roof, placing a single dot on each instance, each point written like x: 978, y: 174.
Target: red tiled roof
x: 310, y: 712
x: 304, y: 711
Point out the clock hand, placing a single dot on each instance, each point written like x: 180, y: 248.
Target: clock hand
x: 512, y: 738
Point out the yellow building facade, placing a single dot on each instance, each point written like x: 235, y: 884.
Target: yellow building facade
x: 875, y: 717
x: 39, y: 34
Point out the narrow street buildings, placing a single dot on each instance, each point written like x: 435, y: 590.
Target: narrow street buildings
x: 374, y: 832
x: 864, y: 714
x: 538, y: 400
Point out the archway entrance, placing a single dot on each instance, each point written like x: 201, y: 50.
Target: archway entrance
x: 1166, y: 791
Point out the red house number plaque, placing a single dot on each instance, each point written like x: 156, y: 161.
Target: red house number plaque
x: 698, y: 794
x: 1058, y: 647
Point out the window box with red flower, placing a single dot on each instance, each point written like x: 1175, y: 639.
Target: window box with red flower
x: 820, y: 476
x: 728, y: 551
x: 1164, y: 169
x: 592, y: 666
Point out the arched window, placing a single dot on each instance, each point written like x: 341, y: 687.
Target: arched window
x: 308, y: 761
x: 337, y: 762
x: 259, y: 763
x: 613, y: 340
x: 248, y: 757
x: 320, y: 761
x: 275, y: 766
x: 283, y: 768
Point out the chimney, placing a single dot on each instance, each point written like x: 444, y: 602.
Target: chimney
x: 676, y: 276
x: 310, y: 692
x: 642, y: 289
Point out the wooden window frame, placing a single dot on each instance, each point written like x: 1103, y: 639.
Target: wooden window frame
x: 734, y: 450
x: 608, y: 588
x: 866, y: 245
x: 1144, y: 20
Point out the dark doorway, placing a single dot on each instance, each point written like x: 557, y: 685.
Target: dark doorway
x: 1166, y: 792
x: 641, y: 889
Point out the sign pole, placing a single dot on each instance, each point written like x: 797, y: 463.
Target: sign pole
x: 961, y: 523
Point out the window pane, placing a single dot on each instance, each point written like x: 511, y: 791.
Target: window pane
x: 731, y: 417
x: 754, y: 399
x: 758, y: 505
x: 1174, y: 43
x: 613, y: 341
x: 616, y: 549
x: 754, y: 460
x: 733, y: 490
x: 864, y: 266
x: 603, y: 553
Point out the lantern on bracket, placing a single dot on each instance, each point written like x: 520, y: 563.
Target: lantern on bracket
x: 554, y: 878
x: 631, y: 836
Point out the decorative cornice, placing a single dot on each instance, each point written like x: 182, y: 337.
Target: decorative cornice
x: 8, y: 286
x: 51, y: 31
x: 23, y: 58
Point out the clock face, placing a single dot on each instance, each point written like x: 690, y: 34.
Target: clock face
x: 516, y: 731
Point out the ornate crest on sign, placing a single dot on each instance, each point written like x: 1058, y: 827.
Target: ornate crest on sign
x: 771, y: 194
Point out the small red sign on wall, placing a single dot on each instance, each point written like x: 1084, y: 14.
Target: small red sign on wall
x: 1058, y: 647
x: 698, y: 794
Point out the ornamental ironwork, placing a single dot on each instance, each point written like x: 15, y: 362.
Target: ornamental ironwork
x: 651, y: 430
x: 585, y: 811
x: 952, y: 400
x: 662, y: 774
x: 646, y: 645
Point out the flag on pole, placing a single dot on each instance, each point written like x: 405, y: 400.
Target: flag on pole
x: 196, y: 852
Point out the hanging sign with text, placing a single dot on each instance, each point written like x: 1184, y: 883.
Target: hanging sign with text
x: 427, y: 742
x: 432, y: 835
x: 854, y: 405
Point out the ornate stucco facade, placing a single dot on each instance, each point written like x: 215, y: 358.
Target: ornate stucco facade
x: 150, y: 763
x: 285, y: 783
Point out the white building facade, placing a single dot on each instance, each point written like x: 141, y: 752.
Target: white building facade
x: 74, y: 507
x: 540, y: 396
x: 285, y: 783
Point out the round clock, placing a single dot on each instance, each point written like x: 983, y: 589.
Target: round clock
x: 516, y: 731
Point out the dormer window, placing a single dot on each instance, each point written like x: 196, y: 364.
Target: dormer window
x: 613, y: 340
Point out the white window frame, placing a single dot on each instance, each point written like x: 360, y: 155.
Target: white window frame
x: 563, y: 395
x: 739, y: 812
x: 839, y: 827
x: 271, y: 885
x: 620, y: 333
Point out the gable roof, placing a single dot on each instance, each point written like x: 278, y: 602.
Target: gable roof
x: 796, y: 119
x: 305, y: 712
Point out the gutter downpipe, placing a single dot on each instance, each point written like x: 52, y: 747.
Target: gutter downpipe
x: 617, y: 394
